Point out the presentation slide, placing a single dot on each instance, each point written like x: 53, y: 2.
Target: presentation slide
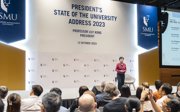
x: 171, y: 41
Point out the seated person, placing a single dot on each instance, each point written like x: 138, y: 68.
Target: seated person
x: 177, y: 94
x: 133, y: 105
x: 170, y: 103
x: 165, y: 90
x: 75, y: 104
x: 97, y: 91
x: 14, y: 103
x: 125, y: 91
x: 33, y: 103
x: 1, y: 106
x: 59, y: 92
x: 110, y: 92
x: 51, y: 102
x: 147, y: 107
x: 156, y: 94
x: 87, y: 103
x: 3, y: 94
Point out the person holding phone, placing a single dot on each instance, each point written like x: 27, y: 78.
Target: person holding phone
x: 121, y: 70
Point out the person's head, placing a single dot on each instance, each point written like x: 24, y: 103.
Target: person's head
x: 121, y: 59
x: 111, y: 89
x: 171, y: 104
x: 125, y: 91
x: 56, y: 90
x: 87, y: 103
x: 3, y: 92
x: 14, y: 103
x: 103, y: 84
x: 82, y: 89
x: 1, y: 105
x: 91, y: 93
x: 36, y: 90
x: 165, y: 89
x: 139, y: 91
x: 158, y: 84
x: 133, y: 104
x: 145, y: 84
x: 51, y: 102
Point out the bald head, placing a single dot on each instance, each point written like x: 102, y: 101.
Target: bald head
x: 87, y: 103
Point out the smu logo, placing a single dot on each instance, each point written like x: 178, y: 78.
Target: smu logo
x: 12, y: 20
x: 147, y: 26
x: 4, y: 5
x: 146, y: 20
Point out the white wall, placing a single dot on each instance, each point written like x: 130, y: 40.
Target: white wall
x: 54, y: 57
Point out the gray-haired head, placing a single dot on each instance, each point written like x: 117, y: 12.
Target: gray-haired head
x: 51, y: 102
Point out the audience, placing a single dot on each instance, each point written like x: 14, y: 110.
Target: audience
x: 33, y: 103
x: 165, y: 89
x: 109, y: 100
x: 3, y: 94
x: 87, y: 103
x: 157, y: 94
x: 170, y: 104
x: 59, y: 92
x: 125, y: 91
x: 51, y: 102
x: 14, y: 103
x: 75, y: 104
x: 1, y: 105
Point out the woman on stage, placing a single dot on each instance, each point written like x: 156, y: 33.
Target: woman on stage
x: 121, y: 70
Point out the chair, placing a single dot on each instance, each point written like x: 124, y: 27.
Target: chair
x: 129, y: 80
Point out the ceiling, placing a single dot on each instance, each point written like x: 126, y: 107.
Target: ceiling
x: 172, y: 4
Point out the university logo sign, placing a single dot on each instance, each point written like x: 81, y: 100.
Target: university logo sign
x: 12, y: 20
x: 5, y: 4
x: 147, y: 26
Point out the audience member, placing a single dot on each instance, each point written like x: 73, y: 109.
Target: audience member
x: 125, y: 91
x: 59, y: 92
x: 51, y: 102
x: 147, y: 107
x: 133, y: 105
x: 110, y: 92
x: 91, y: 93
x: 3, y: 94
x: 75, y: 104
x: 156, y: 94
x: 170, y: 104
x: 33, y: 102
x: 14, y: 103
x: 1, y: 105
x: 87, y: 103
x: 165, y: 89
x: 177, y: 94
x: 96, y: 90
x: 145, y: 85
x: 116, y: 105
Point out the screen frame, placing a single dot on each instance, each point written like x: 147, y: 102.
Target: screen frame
x: 160, y: 44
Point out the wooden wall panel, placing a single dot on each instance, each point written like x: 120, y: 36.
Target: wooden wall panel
x: 12, y: 67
